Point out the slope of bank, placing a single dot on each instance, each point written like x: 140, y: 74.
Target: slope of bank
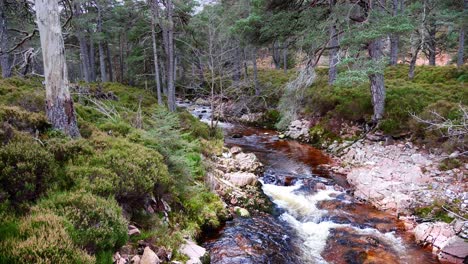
x: 133, y: 182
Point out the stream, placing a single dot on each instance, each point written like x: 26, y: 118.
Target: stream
x: 315, y: 220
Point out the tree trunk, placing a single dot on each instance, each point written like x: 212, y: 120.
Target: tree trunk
x: 156, y: 61
x: 394, y: 38
x: 59, y: 104
x: 413, y: 62
x: 276, y: 55
x: 285, y: 58
x: 255, y: 71
x: 121, y: 57
x: 238, y: 66
x: 102, y: 57
x: 432, y: 43
x: 5, y: 62
x: 171, y: 103
x: 333, y: 60
x: 92, y: 60
x: 377, y: 84
x: 109, y: 63
x: 84, y: 54
x: 461, y: 40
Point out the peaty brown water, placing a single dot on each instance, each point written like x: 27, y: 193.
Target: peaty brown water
x: 315, y: 219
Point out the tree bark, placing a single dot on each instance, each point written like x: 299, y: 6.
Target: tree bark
x: 276, y: 55
x: 431, y: 45
x: 394, y: 38
x: 413, y: 62
x: 92, y: 60
x: 59, y: 104
x: 285, y: 58
x: 238, y: 66
x: 156, y: 61
x: 5, y: 61
x: 255, y: 71
x: 109, y: 63
x: 102, y: 57
x: 333, y: 60
x: 377, y: 84
x: 84, y: 53
x: 461, y: 41
x: 461, y: 47
x: 171, y: 103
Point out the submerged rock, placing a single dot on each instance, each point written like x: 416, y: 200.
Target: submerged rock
x: 256, y: 240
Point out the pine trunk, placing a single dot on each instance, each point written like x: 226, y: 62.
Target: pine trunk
x: 156, y: 61
x: 255, y: 71
x: 461, y: 41
x: 394, y: 38
x: 285, y: 58
x: 377, y: 84
x: 171, y: 103
x: 333, y: 60
x: 276, y: 55
x: 59, y: 104
x: 5, y: 61
x: 102, y: 57
x: 432, y: 44
x: 92, y: 64
x: 109, y: 63
x: 413, y: 63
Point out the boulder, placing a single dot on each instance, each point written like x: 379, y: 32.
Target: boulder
x: 193, y: 251
x: 241, y: 178
x: 454, y: 250
x: 201, y: 101
x: 135, y: 260
x: 235, y: 150
x: 133, y: 230
x: 118, y: 259
x: 436, y: 234
x: 248, y: 162
x: 149, y: 257
x: 298, y: 129
x: 242, y: 212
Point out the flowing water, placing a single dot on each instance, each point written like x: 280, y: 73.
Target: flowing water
x: 315, y: 220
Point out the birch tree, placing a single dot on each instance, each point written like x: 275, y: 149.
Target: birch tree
x: 59, y: 104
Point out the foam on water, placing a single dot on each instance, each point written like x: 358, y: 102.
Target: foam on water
x: 304, y: 216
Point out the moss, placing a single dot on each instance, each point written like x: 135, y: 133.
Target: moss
x: 119, y: 128
x: 98, y: 222
x: 450, y: 164
x: 319, y: 135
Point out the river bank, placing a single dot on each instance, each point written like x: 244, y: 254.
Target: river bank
x: 427, y: 191
x: 421, y: 187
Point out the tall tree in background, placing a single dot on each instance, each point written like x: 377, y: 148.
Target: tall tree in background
x: 461, y: 37
x: 5, y: 61
x: 333, y: 43
x: 397, y: 8
x: 59, y: 104
x: 152, y: 4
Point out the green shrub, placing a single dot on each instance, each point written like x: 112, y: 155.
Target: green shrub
x: 27, y: 170
x: 126, y: 170
x: 98, y: 222
x: 42, y: 238
x: 65, y: 149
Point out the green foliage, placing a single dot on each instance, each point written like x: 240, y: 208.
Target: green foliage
x: 118, y: 128
x: 27, y: 170
x: 319, y: 134
x: 98, y: 222
x: 42, y: 237
x: 449, y: 164
x: 121, y: 168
